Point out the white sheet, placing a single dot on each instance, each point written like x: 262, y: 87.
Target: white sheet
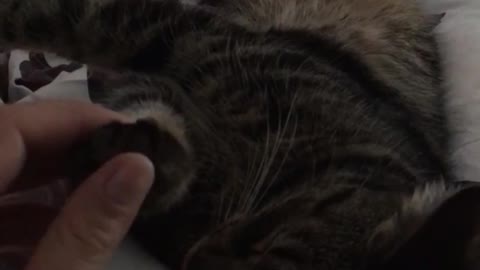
x: 459, y: 36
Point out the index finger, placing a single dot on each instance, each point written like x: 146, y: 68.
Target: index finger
x: 38, y: 136
x: 53, y: 125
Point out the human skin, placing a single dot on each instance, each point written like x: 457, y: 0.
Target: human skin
x: 98, y: 214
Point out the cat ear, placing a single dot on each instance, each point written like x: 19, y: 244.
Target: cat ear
x: 448, y: 240
x: 433, y: 20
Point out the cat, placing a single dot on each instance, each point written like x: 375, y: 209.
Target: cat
x: 285, y: 134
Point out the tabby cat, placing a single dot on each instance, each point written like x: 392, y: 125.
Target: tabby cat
x: 286, y: 134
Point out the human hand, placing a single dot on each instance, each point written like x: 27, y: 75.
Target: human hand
x: 97, y: 216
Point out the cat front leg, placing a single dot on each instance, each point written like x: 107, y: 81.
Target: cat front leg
x: 172, y: 159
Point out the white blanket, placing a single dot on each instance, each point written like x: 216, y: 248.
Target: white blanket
x: 459, y: 35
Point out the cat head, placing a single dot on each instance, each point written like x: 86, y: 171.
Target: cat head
x: 436, y: 228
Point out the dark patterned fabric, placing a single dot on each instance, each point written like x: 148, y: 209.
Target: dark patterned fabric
x: 25, y: 73
x: 37, y: 72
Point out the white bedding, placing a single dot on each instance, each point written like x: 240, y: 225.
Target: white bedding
x: 459, y: 36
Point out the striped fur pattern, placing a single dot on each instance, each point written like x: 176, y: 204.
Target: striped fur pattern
x: 286, y: 134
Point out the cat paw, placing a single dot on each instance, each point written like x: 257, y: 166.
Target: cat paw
x: 172, y: 161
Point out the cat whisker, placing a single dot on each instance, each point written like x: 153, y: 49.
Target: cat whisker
x: 290, y: 145
x: 245, y: 188
x: 261, y: 168
x: 261, y: 187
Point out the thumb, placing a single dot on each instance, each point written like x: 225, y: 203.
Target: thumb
x: 97, y: 217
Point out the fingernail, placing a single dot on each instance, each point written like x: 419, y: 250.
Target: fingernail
x: 132, y: 181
